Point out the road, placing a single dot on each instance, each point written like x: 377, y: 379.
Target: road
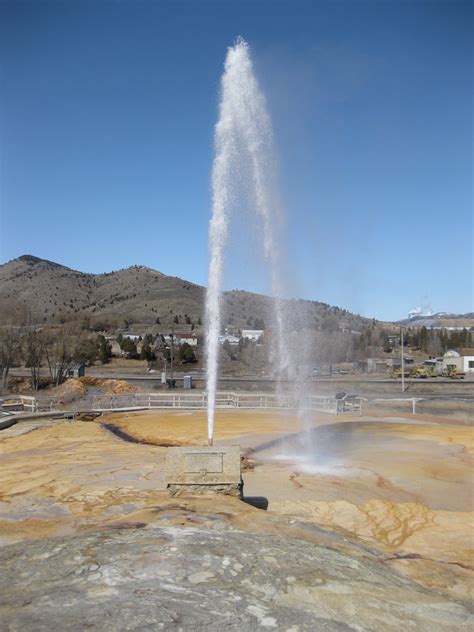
x: 347, y: 380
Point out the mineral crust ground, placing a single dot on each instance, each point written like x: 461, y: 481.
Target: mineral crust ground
x: 374, y: 534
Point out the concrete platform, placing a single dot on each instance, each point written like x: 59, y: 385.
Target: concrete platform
x: 204, y: 470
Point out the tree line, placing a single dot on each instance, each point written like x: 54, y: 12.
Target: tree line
x: 437, y: 341
x: 55, y: 348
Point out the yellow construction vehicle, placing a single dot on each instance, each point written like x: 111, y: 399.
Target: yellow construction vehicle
x: 397, y: 372
x: 452, y: 372
x: 420, y: 372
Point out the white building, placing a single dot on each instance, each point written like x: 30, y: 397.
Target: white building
x: 462, y: 359
x: 180, y: 339
x: 190, y: 339
x: 434, y: 364
x: 232, y: 340
x: 252, y: 334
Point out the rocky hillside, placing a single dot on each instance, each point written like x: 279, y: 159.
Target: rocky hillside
x: 42, y: 291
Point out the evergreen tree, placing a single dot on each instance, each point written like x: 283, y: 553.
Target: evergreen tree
x: 423, y: 337
x: 104, y: 350
x: 129, y: 347
x: 186, y: 353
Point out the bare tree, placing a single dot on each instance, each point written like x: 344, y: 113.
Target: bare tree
x: 9, y: 348
x: 33, y: 350
x: 59, y: 352
x: 9, y: 339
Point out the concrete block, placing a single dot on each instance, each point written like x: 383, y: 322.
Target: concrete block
x: 204, y: 470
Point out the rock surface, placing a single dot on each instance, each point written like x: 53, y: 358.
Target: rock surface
x: 388, y: 499
x: 194, y: 579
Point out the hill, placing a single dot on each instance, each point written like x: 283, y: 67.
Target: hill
x: 441, y: 319
x: 43, y: 291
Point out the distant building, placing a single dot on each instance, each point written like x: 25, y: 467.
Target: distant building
x: 394, y: 340
x: 360, y: 365
x: 180, y: 339
x: 322, y: 370
x: 252, y: 334
x: 376, y: 365
x: 397, y: 362
x: 434, y: 364
x: 232, y: 340
x: 462, y: 359
x: 75, y: 369
x: 305, y: 370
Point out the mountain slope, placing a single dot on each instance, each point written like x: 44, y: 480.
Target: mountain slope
x: 441, y: 319
x: 43, y: 291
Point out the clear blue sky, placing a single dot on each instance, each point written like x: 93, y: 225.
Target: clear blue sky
x: 107, y: 112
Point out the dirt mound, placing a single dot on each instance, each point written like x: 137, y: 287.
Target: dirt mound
x: 69, y: 390
x: 22, y: 385
x: 111, y: 387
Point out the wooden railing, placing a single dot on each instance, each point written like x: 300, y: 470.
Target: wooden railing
x: 18, y: 403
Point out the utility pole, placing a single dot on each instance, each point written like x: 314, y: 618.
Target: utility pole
x: 172, y: 355
x: 403, y: 359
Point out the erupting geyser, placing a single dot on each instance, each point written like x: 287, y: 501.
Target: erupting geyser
x: 243, y: 166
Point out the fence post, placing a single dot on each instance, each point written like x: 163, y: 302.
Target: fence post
x: 413, y: 405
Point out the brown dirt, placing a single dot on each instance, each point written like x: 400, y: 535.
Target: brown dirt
x: 190, y: 428
x: 112, y: 387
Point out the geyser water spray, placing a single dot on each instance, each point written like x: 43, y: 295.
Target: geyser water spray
x: 244, y: 165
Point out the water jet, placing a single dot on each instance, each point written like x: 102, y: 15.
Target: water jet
x: 243, y: 170
x: 243, y: 150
